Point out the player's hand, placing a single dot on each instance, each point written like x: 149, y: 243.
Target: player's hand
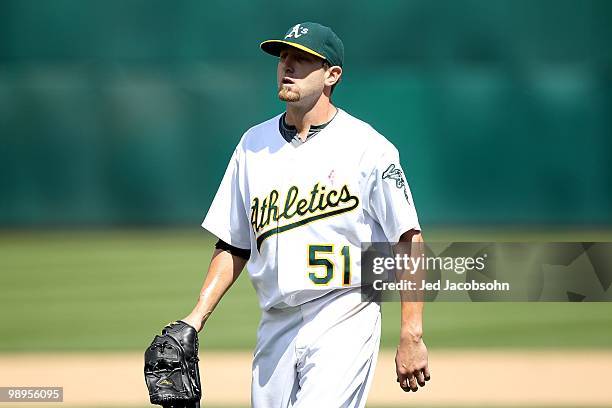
x: 411, y: 364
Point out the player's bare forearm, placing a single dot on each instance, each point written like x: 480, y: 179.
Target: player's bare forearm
x: 223, y: 271
x: 412, y: 301
x: 412, y: 321
x: 411, y: 360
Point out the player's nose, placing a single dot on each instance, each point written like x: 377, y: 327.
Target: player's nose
x: 288, y: 63
x: 288, y: 66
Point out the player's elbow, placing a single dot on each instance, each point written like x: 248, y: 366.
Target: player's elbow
x: 412, y: 235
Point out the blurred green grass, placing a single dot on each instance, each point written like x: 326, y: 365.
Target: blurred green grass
x: 112, y: 290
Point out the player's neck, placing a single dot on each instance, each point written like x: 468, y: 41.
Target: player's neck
x: 302, y: 117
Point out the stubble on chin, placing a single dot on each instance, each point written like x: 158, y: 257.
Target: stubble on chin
x: 287, y: 95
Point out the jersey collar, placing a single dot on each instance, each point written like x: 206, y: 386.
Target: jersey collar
x: 289, y: 132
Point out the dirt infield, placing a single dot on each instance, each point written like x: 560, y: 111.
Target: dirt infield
x: 474, y: 378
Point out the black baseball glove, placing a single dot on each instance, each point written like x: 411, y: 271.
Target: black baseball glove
x: 171, y: 367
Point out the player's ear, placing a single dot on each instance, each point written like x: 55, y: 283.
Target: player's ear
x: 332, y: 75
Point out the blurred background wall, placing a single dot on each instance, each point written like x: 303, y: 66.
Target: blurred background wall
x: 126, y: 112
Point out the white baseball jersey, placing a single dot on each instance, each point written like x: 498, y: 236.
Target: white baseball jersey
x: 304, y: 209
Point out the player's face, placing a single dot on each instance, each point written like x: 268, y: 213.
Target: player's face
x: 300, y: 75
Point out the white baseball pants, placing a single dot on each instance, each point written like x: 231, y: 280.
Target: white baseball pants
x: 319, y: 354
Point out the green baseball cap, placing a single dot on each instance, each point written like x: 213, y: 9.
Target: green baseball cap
x: 314, y: 38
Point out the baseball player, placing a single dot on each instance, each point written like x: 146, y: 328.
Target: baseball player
x: 301, y: 192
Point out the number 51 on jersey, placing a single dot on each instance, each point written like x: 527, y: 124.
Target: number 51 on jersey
x: 321, y: 268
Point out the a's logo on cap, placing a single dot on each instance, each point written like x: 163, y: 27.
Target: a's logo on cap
x: 297, y: 31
